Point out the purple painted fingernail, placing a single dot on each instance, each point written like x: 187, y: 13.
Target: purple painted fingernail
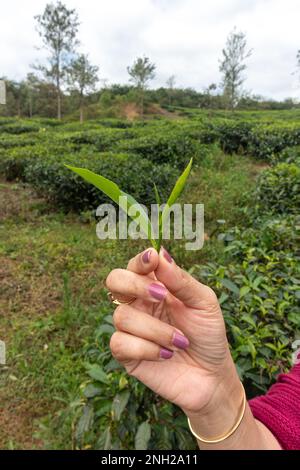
x: 146, y: 256
x: 165, y: 353
x: 180, y: 341
x: 167, y: 256
x: 157, y: 291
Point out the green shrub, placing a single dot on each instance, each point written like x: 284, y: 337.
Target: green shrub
x: 172, y: 148
x: 133, y: 174
x: 13, y: 161
x: 261, y: 141
x: 234, y: 137
x: 288, y: 155
x: 18, y: 128
x: 102, y: 139
x: 8, y: 141
x: 278, y: 189
x: 268, y: 140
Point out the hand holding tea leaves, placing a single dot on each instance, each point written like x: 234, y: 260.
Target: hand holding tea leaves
x: 172, y: 337
x: 172, y: 312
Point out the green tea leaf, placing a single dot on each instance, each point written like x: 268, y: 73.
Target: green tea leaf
x: 85, y: 422
x: 244, y: 291
x: 113, y: 191
x: 142, y: 436
x: 104, y: 441
x: 177, y: 190
x: 157, y: 196
x: 158, y: 202
x: 119, y: 404
x: 97, y: 373
x: 247, y: 318
x: 91, y: 391
x: 175, y: 193
x: 230, y: 286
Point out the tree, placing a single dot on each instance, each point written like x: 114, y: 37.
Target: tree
x: 82, y: 78
x: 170, y: 86
x: 141, y: 72
x: 208, y: 95
x: 32, y: 83
x: 16, y: 93
x: 298, y: 61
x: 58, y: 27
x: 233, y: 65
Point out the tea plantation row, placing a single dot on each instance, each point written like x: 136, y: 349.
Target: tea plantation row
x: 135, y: 155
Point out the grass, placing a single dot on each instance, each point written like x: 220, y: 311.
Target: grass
x: 52, y: 297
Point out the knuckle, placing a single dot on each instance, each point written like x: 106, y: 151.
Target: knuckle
x: 138, y: 351
x: 133, y: 262
x: 116, y: 345
x: 111, y: 278
x: 210, y: 295
x: 186, y: 283
x: 120, y: 316
x: 211, y: 299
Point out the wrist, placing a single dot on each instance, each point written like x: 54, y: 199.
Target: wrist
x: 221, y: 412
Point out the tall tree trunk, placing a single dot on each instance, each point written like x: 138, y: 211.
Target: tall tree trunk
x: 81, y: 109
x: 58, y: 89
x: 30, y: 106
x: 142, y: 104
x: 58, y: 104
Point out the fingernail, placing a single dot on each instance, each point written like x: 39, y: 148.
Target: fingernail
x: 146, y: 256
x: 157, y: 291
x: 167, y: 256
x: 165, y: 353
x: 180, y: 341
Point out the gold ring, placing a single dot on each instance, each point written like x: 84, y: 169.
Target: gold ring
x: 119, y: 302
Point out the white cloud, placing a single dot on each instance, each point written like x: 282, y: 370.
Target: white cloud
x: 183, y: 37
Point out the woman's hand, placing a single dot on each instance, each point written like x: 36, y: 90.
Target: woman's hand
x: 172, y: 337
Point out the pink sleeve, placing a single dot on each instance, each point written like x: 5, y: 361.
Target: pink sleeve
x: 279, y: 409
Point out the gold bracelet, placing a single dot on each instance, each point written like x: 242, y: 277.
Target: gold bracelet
x: 230, y: 432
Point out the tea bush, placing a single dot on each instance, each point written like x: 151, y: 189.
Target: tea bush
x: 14, y: 161
x: 171, y: 148
x: 288, y: 155
x: 261, y: 141
x: 50, y: 178
x: 103, y: 139
x: 235, y: 137
x: 268, y: 140
x: 278, y: 189
x: 18, y: 128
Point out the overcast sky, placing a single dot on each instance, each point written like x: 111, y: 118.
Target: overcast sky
x: 182, y: 37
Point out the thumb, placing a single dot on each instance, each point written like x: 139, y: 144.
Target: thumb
x: 182, y: 285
